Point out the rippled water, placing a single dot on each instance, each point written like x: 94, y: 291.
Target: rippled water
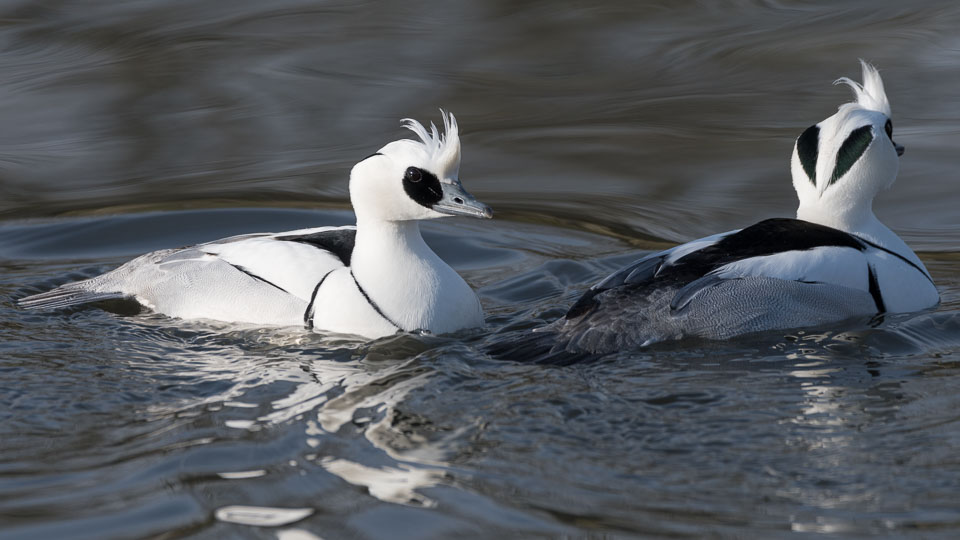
x: 597, y: 133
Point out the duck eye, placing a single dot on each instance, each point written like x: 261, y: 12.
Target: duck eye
x: 413, y: 174
x: 889, y: 129
x: 422, y: 186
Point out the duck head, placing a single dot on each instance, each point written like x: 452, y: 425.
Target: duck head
x: 840, y: 164
x: 412, y: 180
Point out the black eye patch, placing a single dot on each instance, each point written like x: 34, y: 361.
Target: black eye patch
x: 888, y: 127
x: 422, y: 186
x: 807, y: 149
x: 850, y: 151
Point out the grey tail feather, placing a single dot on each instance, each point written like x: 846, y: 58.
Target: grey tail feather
x: 66, y: 296
x: 537, y: 348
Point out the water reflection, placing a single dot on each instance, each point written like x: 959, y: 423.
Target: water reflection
x: 365, y: 397
x: 260, y: 516
x: 856, y: 392
x: 345, y: 406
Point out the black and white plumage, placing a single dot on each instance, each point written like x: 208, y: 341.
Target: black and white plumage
x: 371, y: 280
x: 835, y: 261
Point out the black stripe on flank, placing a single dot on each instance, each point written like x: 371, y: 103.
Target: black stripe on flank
x: 808, y: 147
x: 258, y: 278
x: 850, y: 151
x: 374, y: 304
x: 422, y: 186
x: 308, y: 314
x: 899, y: 256
x: 875, y: 290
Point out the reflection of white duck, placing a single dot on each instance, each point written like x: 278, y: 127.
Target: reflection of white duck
x: 835, y: 261
x: 371, y: 280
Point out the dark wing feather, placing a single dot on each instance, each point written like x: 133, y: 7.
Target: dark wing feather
x: 641, y: 271
x: 340, y: 242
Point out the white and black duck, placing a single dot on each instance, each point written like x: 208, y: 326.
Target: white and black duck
x: 835, y: 261
x: 371, y: 280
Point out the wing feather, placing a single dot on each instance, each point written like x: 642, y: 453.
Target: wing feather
x: 257, y: 278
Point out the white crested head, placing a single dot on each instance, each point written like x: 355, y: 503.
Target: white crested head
x: 411, y: 180
x: 840, y: 164
x: 870, y: 95
x: 443, y: 149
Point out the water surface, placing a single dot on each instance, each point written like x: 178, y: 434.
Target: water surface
x: 597, y: 133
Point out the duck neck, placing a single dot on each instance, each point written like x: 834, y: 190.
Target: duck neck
x: 389, y: 252
x: 854, y: 221
x: 862, y: 223
x: 398, y: 272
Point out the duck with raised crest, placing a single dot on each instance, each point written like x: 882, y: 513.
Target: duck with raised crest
x: 371, y: 280
x: 835, y: 261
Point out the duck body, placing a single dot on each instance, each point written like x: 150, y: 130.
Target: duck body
x: 260, y: 279
x: 370, y: 280
x: 835, y: 261
x: 777, y: 274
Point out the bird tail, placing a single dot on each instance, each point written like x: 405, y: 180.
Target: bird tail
x: 71, y: 294
x: 539, y: 347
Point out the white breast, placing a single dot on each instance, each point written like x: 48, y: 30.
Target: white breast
x: 340, y: 307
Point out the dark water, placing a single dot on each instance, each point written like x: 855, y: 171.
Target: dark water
x: 597, y: 132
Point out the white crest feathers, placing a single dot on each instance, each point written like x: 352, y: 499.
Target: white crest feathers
x: 443, y: 149
x: 870, y: 95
